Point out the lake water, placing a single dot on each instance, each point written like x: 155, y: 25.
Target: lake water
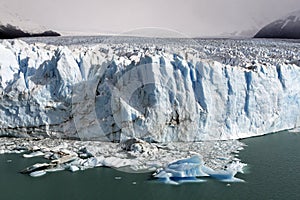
x: 273, y: 172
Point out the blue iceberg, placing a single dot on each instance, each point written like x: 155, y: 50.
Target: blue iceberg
x: 190, y: 169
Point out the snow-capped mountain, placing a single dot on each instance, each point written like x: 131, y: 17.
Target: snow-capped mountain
x: 286, y: 27
x: 13, y: 26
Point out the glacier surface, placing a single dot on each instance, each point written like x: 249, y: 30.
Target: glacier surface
x: 171, y: 90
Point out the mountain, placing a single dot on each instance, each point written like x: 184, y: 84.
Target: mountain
x: 164, y: 91
x: 9, y: 32
x: 248, y: 33
x: 287, y: 27
x: 14, y: 26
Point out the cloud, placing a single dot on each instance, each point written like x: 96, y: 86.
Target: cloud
x: 192, y: 17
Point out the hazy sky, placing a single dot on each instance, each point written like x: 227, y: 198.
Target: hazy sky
x: 191, y: 17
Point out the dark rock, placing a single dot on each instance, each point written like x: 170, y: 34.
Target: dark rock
x: 286, y: 28
x: 11, y: 32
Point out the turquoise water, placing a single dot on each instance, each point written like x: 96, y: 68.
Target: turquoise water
x: 273, y: 173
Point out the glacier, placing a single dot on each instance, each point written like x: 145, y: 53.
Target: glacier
x: 171, y: 90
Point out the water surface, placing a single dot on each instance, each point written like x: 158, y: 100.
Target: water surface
x: 273, y: 173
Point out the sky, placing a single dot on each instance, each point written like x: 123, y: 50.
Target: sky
x: 189, y: 17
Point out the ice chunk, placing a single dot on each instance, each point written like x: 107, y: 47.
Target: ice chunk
x: 73, y: 168
x: 222, y: 175
x: 189, y: 167
x: 33, y: 154
x: 187, y: 170
x: 38, y: 173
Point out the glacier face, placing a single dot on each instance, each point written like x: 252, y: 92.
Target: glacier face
x: 207, y: 90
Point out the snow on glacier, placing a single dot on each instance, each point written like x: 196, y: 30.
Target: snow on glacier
x: 112, y: 91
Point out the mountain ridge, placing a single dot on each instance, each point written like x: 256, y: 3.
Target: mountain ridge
x: 14, y: 26
x: 287, y: 27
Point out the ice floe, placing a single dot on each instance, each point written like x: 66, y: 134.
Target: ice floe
x: 172, y: 163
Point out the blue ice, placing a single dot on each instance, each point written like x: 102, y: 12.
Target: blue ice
x: 190, y: 169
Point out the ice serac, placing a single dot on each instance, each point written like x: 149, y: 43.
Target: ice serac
x: 116, y: 92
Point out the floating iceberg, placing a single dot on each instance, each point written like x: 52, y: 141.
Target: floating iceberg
x: 190, y: 169
x: 38, y: 173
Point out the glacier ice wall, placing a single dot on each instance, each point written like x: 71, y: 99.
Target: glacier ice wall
x: 119, y: 91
